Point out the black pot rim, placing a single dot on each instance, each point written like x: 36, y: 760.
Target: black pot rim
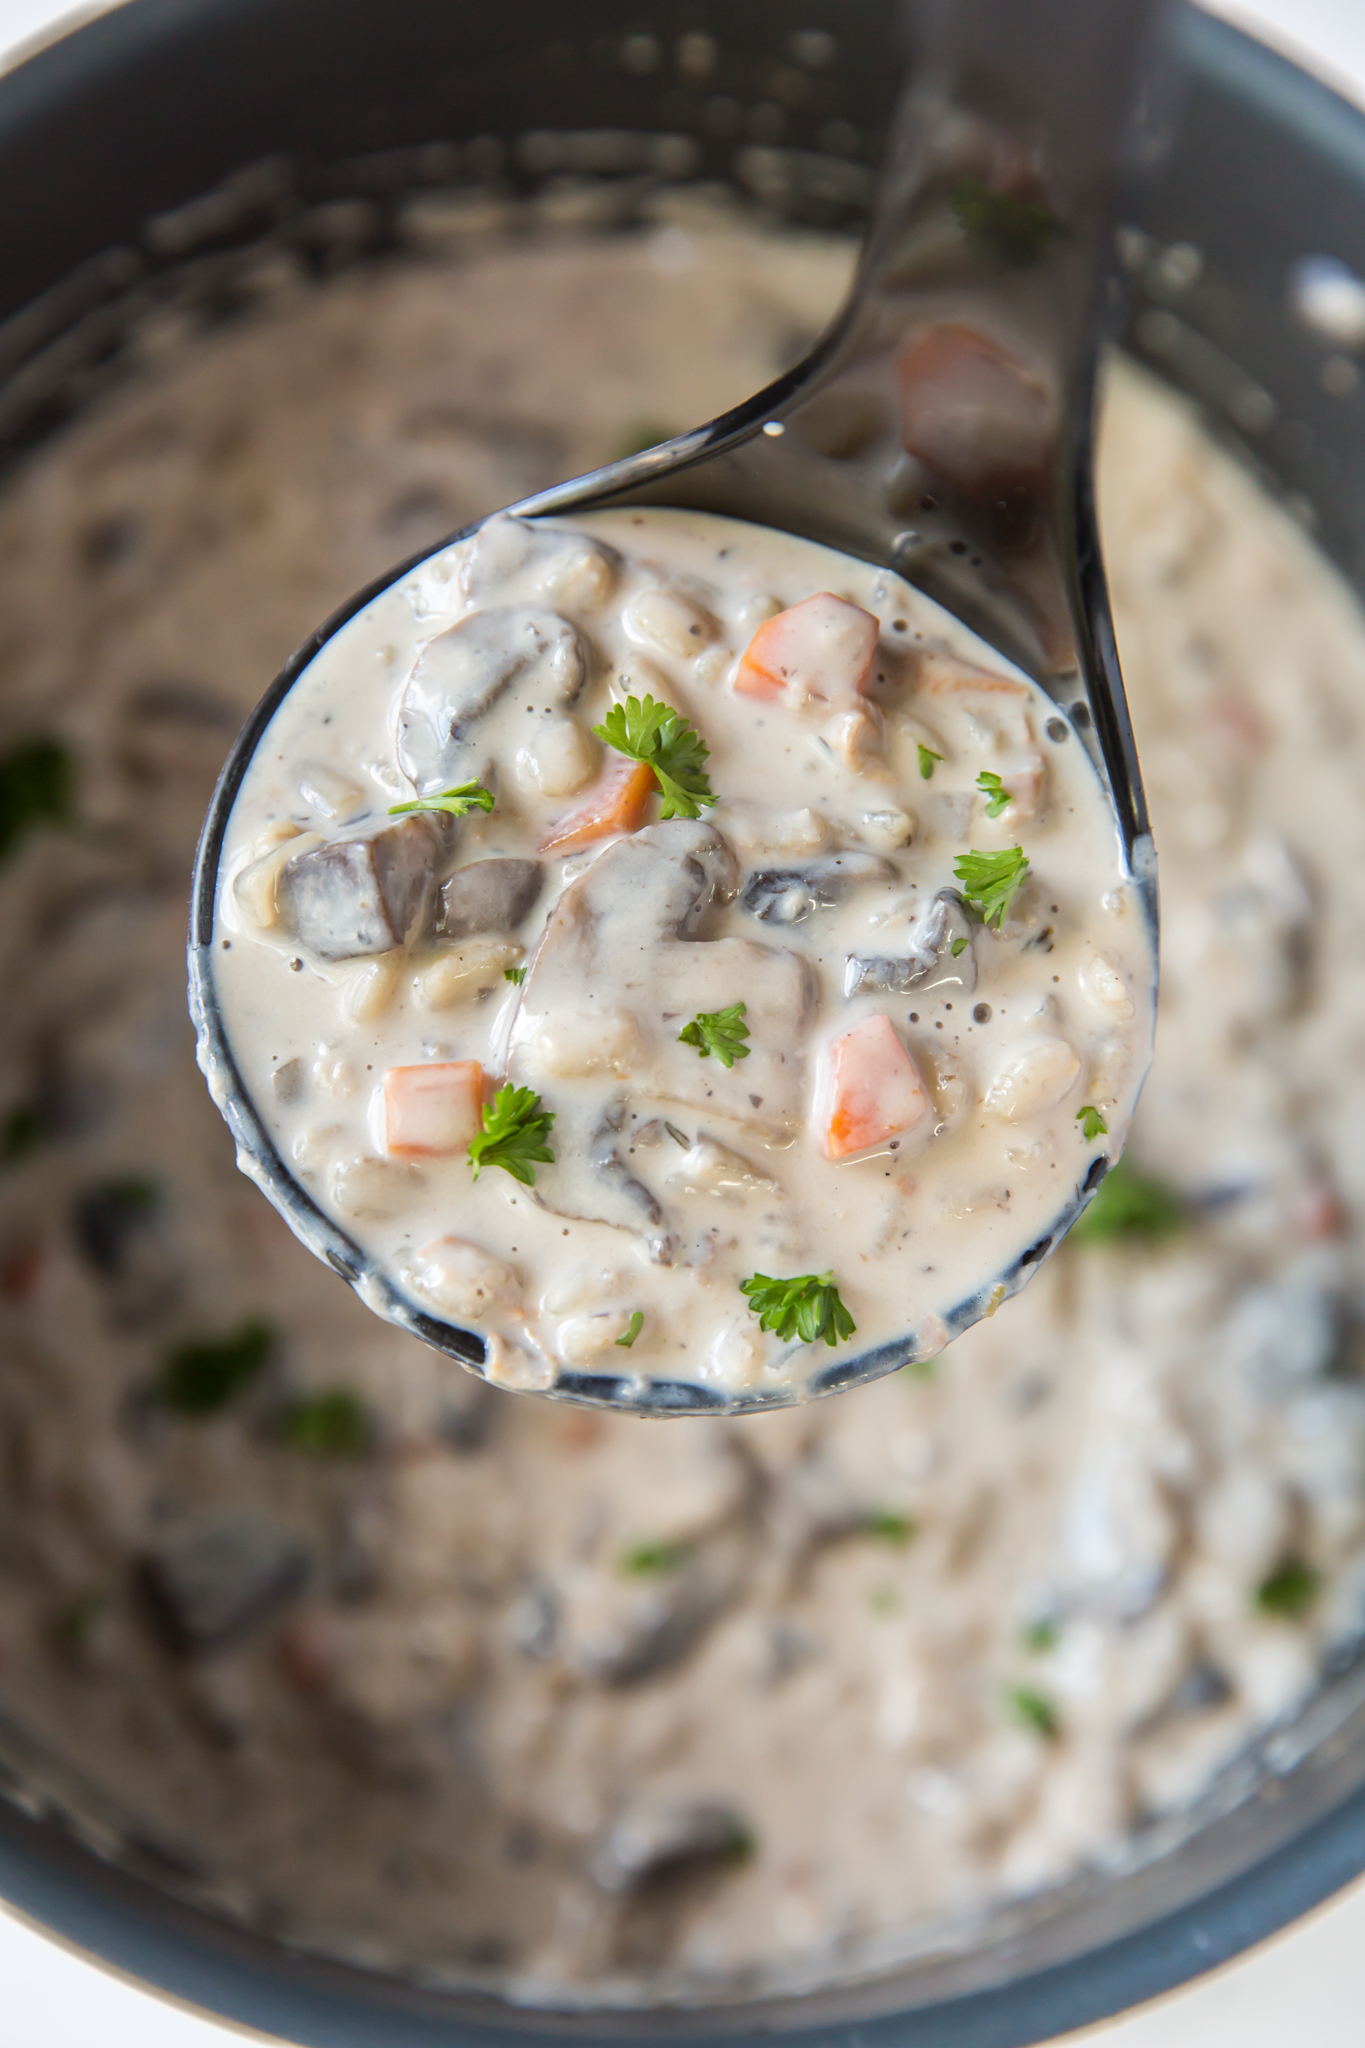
x: 135, y: 1927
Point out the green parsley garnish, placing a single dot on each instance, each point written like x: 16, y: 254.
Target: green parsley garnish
x: 927, y: 758
x: 807, y: 1307
x: 991, y: 880
x: 203, y: 1375
x: 515, y: 1128
x: 646, y: 1558
x: 36, y: 779
x: 329, y: 1425
x: 1128, y: 1204
x: 644, y: 730
x: 470, y: 796
x: 1041, y: 1636
x: 1034, y: 1710
x: 21, y: 1129
x: 1002, y: 226
x: 721, y: 1032
x: 1091, y: 1122
x: 76, y: 1620
x: 959, y: 945
x: 632, y: 1330
x: 1290, y: 1590
x: 516, y: 975
x: 989, y: 783
x: 888, y: 1526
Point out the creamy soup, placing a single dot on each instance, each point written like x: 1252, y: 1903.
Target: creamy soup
x: 389, y: 1663
x: 805, y: 1049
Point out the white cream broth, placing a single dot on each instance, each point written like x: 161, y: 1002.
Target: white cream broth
x: 920, y: 1094
x: 494, y: 1690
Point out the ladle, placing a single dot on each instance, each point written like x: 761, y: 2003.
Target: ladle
x: 941, y: 426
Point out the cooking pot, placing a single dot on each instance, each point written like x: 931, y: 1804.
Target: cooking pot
x: 144, y: 157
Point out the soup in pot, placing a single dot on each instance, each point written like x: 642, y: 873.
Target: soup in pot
x: 400, y: 1666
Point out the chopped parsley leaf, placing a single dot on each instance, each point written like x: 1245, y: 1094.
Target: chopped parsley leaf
x: 515, y: 1128
x: 989, y: 783
x: 1129, y: 1204
x: 645, y: 1559
x: 991, y: 880
x: 329, y: 1425
x: 888, y: 1526
x: 201, y: 1376
x: 959, y: 945
x: 807, y: 1307
x: 1290, y: 1590
x: 1042, y: 1635
x: 721, y: 1032
x: 22, y: 1129
x: 470, y: 796
x: 1003, y: 226
x: 516, y: 975
x: 927, y: 758
x: 36, y: 788
x: 1034, y: 1710
x: 1091, y: 1122
x: 76, y: 1620
x: 644, y: 730
x: 632, y: 1330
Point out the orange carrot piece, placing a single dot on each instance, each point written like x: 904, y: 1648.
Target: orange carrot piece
x: 867, y: 1090
x: 615, y: 803
x: 823, y: 647
x: 432, y: 1110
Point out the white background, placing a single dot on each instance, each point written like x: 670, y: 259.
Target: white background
x: 1306, y: 1989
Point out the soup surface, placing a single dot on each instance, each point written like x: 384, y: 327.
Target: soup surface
x: 783, y: 1064
x: 390, y: 1662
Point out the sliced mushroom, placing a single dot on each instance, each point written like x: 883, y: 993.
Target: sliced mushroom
x: 940, y: 945
x: 463, y: 672
x: 652, y: 1630
x: 365, y: 893
x: 608, y: 1164
x: 488, y: 896
x: 650, y: 1844
x: 592, y: 1183
x: 214, y: 1583
x: 120, y: 1229
x: 622, y: 958
x: 789, y: 895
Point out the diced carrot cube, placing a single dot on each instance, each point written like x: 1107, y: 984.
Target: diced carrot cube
x: 972, y: 411
x: 823, y: 647
x: 432, y: 1110
x: 614, y: 803
x: 867, y: 1090
x: 21, y: 1266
